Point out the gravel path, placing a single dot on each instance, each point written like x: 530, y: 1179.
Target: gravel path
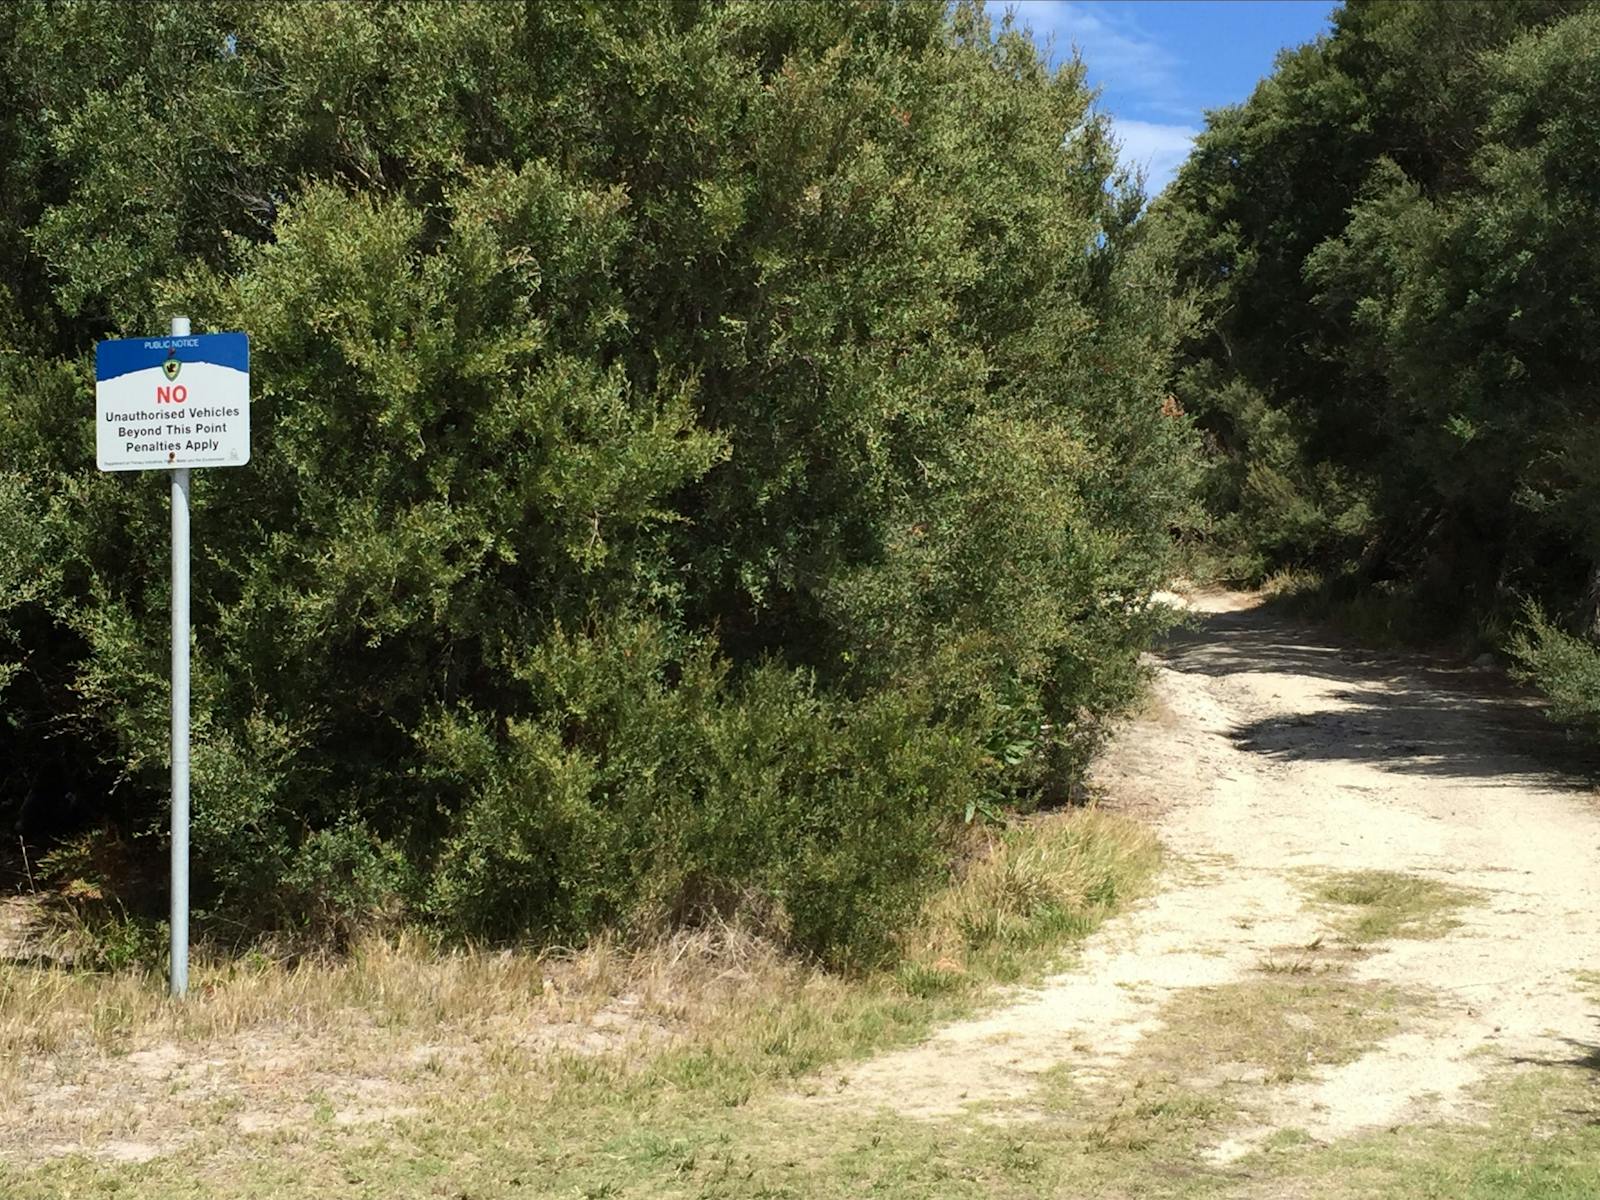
x: 1271, y: 753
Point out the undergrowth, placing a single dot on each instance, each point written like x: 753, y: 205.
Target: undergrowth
x: 1024, y: 896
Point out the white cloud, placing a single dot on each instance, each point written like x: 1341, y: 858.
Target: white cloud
x: 1158, y: 149
x: 1147, y: 77
x: 1111, y: 43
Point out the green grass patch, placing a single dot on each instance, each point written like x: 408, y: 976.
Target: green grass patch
x: 1210, y: 1066
x: 1378, y: 906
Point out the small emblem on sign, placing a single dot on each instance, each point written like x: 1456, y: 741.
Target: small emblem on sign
x: 172, y: 366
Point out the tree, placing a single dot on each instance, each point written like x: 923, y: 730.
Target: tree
x: 1364, y: 247
x: 701, y: 450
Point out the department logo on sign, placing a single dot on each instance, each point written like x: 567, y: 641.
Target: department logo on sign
x: 172, y: 366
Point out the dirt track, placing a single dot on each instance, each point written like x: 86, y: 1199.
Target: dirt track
x: 1271, y: 755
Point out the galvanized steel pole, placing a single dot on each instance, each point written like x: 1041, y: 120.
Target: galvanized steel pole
x: 179, y: 960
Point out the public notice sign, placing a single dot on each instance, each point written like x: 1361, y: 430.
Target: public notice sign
x: 169, y: 402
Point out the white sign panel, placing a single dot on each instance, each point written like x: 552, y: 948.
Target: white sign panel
x: 166, y: 402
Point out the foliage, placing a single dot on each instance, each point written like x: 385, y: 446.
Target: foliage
x: 26, y: 571
x: 700, y: 450
x: 1395, y: 240
x: 1564, y: 667
x: 629, y: 802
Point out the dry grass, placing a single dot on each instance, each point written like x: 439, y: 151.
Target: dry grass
x: 1040, y: 884
x: 1025, y: 889
x: 401, y: 1028
x: 1290, y: 581
x: 400, y: 985
x: 1282, y: 1028
x: 396, y: 1029
x: 1216, y: 1052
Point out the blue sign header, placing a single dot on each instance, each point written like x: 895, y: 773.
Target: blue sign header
x: 124, y: 355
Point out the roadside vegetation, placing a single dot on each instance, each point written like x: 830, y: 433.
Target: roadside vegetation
x: 713, y: 467
x: 1394, y: 242
x: 610, y: 1066
x: 706, y: 458
x: 702, y: 1067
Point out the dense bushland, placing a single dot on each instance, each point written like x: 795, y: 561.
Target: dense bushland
x: 1398, y: 242
x: 702, y: 452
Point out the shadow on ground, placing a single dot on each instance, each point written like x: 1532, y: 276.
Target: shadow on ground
x: 1402, y: 713
x: 1585, y: 1054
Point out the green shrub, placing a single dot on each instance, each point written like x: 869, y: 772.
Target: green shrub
x: 1394, y: 240
x: 701, y: 451
x: 1564, y: 667
x: 26, y: 577
x: 655, y: 789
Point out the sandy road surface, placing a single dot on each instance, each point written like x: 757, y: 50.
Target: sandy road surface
x: 1271, y: 753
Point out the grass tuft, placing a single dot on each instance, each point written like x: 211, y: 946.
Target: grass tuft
x: 1037, y: 887
x: 1383, y: 905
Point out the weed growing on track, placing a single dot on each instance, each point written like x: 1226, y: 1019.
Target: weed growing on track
x: 1281, y: 1029
x: 1381, y: 905
x: 1203, y: 1071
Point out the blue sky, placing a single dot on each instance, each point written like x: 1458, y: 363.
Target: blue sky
x: 1159, y: 64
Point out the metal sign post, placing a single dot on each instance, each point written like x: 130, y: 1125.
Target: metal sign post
x: 156, y: 415
x: 179, y: 959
